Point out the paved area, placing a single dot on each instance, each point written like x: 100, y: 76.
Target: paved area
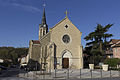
x: 17, y: 78
x: 72, y: 74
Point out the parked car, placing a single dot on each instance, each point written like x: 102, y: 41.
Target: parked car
x: 3, y: 68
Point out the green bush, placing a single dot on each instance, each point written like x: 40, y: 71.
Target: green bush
x: 112, y: 62
x: 97, y: 67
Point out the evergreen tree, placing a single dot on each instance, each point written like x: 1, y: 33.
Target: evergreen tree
x: 98, y: 42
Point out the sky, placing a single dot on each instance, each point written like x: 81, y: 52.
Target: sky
x: 20, y: 19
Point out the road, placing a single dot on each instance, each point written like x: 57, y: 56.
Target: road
x: 10, y: 72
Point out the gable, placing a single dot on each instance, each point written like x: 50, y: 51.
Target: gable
x: 117, y: 44
x: 65, y: 22
x: 114, y: 41
x: 65, y: 27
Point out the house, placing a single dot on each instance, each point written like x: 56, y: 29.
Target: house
x: 115, y: 47
x: 1, y: 60
x: 23, y: 60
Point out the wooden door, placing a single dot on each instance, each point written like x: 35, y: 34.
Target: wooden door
x: 65, y: 63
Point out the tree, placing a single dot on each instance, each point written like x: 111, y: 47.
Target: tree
x: 12, y: 53
x: 98, y: 42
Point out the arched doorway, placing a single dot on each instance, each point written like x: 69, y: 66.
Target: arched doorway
x: 66, y: 59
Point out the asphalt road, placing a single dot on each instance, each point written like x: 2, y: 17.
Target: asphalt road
x: 10, y: 72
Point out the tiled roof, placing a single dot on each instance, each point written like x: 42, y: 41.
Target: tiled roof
x: 114, y: 40
x: 117, y: 44
x: 36, y: 41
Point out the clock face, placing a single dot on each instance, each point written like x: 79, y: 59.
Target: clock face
x: 66, y: 39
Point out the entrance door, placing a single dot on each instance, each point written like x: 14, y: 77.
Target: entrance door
x: 65, y: 63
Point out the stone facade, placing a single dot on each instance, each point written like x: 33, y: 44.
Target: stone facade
x: 71, y: 50
x: 59, y: 48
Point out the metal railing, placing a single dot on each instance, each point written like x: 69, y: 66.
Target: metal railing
x: 72, y: 74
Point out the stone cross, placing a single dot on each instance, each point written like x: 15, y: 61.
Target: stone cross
x: 66, y: 13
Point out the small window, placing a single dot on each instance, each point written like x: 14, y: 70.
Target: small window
x: 66, y: 26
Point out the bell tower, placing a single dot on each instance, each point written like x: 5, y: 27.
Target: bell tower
x: 43, y: 27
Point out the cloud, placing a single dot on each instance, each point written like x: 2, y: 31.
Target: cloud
x: 19, y: 4
x: 26, y: 7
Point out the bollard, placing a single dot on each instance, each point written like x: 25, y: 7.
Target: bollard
x: 55, y: 72
x: 68, y: 73
x: 119, y: 72
x: 91, y: 72
x: 50, y: 74
x: 27, y: 74
x: 101, y: 72
x: 24, y: 74
x: 80, y: 73
x: 36, y: 72
x: 110, y: 72
x: 44, y: 74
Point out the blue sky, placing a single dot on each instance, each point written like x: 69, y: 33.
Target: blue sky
x: 20, y: 19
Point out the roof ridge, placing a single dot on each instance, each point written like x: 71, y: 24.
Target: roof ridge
x: 59, y: 22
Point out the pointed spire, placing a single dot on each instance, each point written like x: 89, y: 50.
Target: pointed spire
x: 43, y: 17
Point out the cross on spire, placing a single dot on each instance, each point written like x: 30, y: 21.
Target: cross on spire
x: 44, y: 3
x: 66, y: 13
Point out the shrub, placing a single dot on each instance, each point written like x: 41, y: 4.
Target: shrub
x: 112, y: 62
x: 97, y: 67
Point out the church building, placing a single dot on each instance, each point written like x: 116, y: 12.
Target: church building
x: 58, y: 48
